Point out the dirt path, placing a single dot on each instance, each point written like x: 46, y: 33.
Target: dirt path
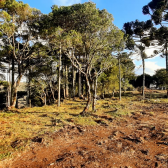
x: 136, y: 141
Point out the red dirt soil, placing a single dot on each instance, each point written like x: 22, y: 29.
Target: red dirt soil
x: 136, y: 141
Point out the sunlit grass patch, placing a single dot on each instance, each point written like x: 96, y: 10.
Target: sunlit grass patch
x: 165, y: 100
x: 22, y: 125
x: 84, y: 121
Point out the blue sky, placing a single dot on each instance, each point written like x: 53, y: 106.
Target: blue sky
x: 122, y: 11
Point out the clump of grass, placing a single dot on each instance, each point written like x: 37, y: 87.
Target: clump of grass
x: 84, y: 121
x: 5, y: 155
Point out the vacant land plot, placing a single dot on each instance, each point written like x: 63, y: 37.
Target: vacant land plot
x: 132, y: 133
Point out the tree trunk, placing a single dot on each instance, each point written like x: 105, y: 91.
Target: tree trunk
x: 143, y: 87
x: 52, y: 91
x: 86, y: 88
x: 9, y: 86
x: 13, y: 80
x: 73, y: 76
x: 94, y: 95
x: 29, y: 87
x: 119, y: 65
x: 113, y: 93
x: 59, y: 79
x: 16, y: 84
x: 66, y: 81
x: 79, y: 83
x: 15, y: 91
x: 64, y: 93
x: 166, y: 67
x: 13, y: 66
x: 82, y: 83
x: 47, y: 95
x: 28, y: 93
x: 102, y: 91
x: 45, y: 101
x: 51, y: 85
x: 103, y: 95
x: 89, y: 97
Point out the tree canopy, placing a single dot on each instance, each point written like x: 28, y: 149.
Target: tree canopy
x: 53, y: 50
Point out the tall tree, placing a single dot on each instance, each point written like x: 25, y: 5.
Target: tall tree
x: 108, y: 80
x: 43, y: 78
x: 17, y: 19
x: 160, y: 78
x: 56, y: 42
x: 91, y: 34
x: 138, y: 39
x: 126, y: 67
x: 158, y: 10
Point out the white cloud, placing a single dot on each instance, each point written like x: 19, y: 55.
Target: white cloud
x: 151, y: 64
x: 66, y: 2
x: 150, y: 68
x: 150, y: 50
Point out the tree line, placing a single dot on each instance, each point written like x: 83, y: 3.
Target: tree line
x: 72, y: 51
x: 157, y: 81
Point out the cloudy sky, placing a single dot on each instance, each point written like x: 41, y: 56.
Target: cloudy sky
x: 122, y: 11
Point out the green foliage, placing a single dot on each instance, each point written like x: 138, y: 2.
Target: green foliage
x: 161, y: 35
x: 87, y: 33
x: 157, y: 9
x: 109, y: 80
x: 17, y: 41
x: 4, y: 83
x: 161, y: 77
x: 138, y: 82
x: 86, y: 25
x: 136, y: 32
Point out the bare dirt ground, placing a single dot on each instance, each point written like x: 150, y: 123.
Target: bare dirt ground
x: 136, y: 141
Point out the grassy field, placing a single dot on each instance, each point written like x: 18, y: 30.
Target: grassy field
x: 21, y: 127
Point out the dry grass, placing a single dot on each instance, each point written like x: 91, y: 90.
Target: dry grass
x: 18, y: 128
